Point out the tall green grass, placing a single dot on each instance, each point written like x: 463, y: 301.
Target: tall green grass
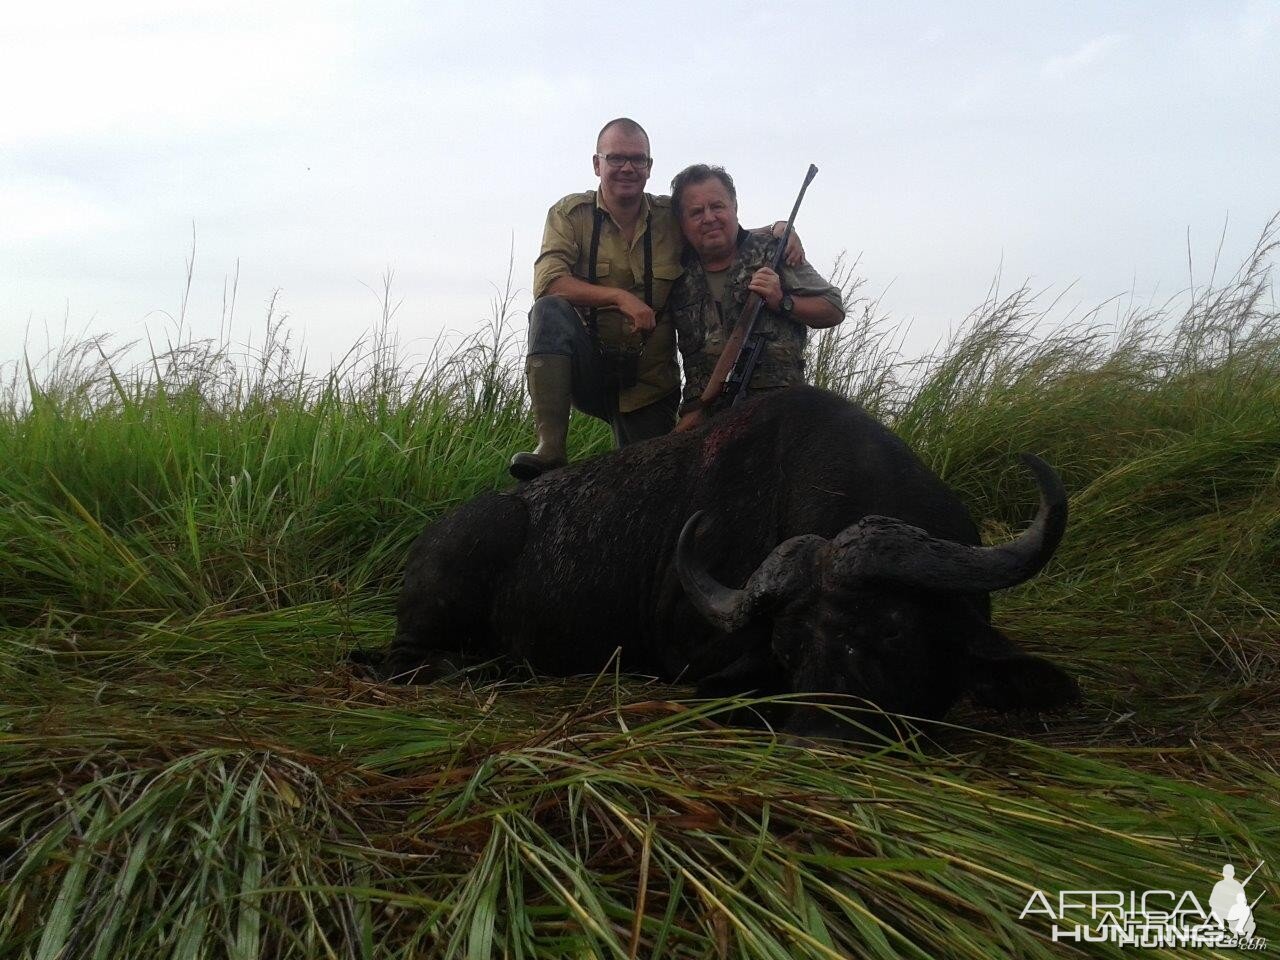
x: 187, y: 769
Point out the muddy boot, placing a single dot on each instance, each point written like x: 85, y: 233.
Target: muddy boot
x: 549, y: 377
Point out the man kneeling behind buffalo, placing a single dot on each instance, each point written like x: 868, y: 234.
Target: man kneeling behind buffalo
x: 726, y: 263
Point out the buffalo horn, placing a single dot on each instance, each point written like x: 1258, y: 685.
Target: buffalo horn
x: 784, y: 571
x: 894, y: 550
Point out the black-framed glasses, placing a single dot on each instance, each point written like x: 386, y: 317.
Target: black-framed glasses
x: 617, y: 161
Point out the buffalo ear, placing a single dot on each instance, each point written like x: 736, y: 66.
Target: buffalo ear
x: 1002, y: 677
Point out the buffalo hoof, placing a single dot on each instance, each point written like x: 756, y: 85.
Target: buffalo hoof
x: 367, y: 664
x: 384, y: 666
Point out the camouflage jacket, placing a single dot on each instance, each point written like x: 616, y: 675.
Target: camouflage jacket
x: 703, y: 326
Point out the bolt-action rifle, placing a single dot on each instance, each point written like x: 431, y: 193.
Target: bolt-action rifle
x: 738, y: 360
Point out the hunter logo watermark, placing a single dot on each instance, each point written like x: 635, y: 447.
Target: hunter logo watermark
x: 1153, y: 918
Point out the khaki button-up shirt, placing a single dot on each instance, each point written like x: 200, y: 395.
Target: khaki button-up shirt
x: 566, y: 250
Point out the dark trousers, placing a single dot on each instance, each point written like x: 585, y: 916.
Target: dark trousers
x: 556, y: 327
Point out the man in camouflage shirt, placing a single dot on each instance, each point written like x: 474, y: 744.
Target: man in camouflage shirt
x: 726, y: 264
x: 599, y: 336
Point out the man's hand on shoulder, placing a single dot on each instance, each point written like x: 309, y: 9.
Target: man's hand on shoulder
x: 794, y: 255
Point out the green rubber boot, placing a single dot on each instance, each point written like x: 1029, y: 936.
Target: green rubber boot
x: 550, y: 378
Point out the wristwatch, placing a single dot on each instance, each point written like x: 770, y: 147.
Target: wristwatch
x: 788, y: 305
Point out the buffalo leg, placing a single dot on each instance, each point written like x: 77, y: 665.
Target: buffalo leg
x: 443, y: 614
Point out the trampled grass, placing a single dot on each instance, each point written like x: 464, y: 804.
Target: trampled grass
x: 188, y: 770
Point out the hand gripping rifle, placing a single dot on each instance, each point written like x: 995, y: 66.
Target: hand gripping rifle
x: 738, y: 360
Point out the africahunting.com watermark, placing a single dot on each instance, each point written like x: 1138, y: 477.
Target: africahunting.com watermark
x: 1152, y: 918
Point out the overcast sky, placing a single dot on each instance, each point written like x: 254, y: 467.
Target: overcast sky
x: 320, y: 143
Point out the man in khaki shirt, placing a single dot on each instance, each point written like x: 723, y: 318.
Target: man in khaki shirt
x: 599, y: 336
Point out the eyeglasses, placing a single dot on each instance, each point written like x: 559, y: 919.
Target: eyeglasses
x: 617, y: 161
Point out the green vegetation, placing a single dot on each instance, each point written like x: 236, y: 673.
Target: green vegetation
x: 188, y: 770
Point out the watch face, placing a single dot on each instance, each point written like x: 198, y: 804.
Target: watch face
x: 787, y: 303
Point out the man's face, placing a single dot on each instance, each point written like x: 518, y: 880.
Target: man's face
x: 709, y: 219
x: 625, y: 182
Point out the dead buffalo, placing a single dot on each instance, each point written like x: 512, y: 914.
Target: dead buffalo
x: 794, y: 544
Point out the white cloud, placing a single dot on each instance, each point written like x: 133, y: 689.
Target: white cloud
x: 1062, y: 66
x: 1259, y: 22
x: 101, y: 70
x: 34, y: 208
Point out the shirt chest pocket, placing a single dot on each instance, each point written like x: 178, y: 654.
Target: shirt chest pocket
x: 664, y: 275
x: 604, y: 267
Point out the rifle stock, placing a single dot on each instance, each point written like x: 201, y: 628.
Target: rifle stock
x: 733, y: 348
